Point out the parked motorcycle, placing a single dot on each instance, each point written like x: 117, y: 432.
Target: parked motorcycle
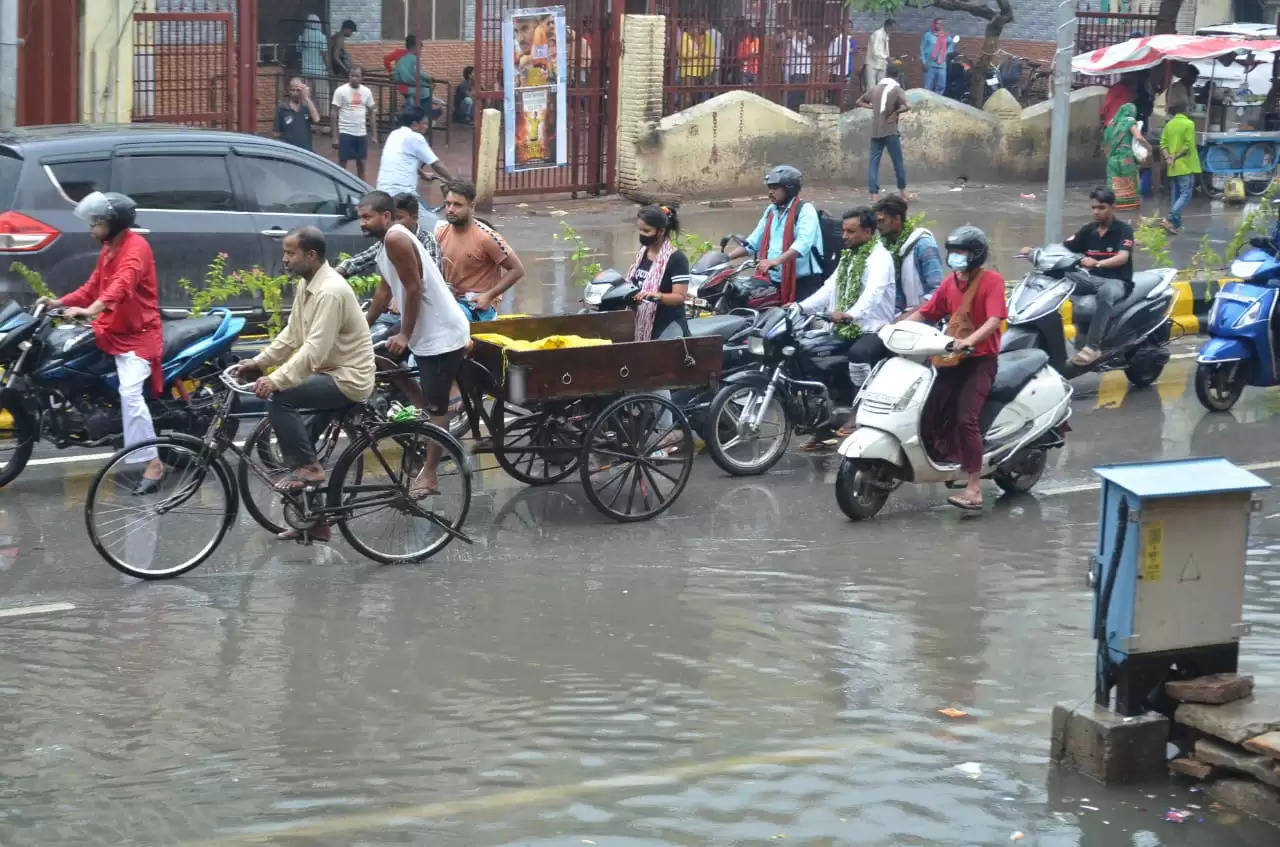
x: 1024, y: 417
x: 801, y: 384
x: 59, y: 386
x: 609, y: 291
x: 1240, y: 350
x: 1137, y: 341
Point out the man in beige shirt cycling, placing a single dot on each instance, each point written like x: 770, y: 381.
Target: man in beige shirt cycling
x: 324, y: 355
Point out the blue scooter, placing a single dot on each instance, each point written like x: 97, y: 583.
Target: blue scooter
x: 1241, y: 346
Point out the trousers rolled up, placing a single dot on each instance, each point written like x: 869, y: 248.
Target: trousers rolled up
x: 133, y: 371
x: 1107, y: 293
x: 317, y: 393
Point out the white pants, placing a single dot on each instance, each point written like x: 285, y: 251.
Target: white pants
x: 133, y: 372
x: 872, y: 76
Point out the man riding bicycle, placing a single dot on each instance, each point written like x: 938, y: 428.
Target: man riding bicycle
x: 479, y: 264
x: 324, y: 356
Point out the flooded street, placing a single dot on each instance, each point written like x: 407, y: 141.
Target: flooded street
x: 749, y: 669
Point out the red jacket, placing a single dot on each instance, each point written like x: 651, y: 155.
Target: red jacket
x: 125, y: 279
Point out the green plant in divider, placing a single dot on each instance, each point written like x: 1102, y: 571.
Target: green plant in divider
x: 1152, y: 239
x: 583, y: 271
x: 270, y: 290
x: 33, y: 279
x: 693, y: 245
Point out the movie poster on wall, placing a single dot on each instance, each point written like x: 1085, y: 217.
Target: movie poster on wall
x: 534, y: 89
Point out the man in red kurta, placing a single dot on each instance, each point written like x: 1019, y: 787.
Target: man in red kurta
x: 122, y: 298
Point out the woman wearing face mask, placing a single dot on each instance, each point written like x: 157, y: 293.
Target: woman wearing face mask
x: 662, y: 272
x: 971, y: 299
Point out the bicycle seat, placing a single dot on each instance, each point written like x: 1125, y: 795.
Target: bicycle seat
x: 179, y: 335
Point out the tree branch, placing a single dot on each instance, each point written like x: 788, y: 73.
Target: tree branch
x: 977, y: 8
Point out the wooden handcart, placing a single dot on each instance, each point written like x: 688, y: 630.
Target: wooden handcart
x: 544, y: 414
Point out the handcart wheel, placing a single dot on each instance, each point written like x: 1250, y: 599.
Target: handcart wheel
x: 637, y: 457
x: 542, y: 447
x: 1218, y: 161
x: 1259, y: 165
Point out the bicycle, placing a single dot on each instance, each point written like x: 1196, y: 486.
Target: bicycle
x: 374, y: 475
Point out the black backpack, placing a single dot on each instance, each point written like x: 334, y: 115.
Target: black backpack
x: 832, y: 230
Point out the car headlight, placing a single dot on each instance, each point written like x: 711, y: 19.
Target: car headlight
x: 1243, y: 269
x: 755, y: 345
x: 1251, y: 315
x: 595, y: 293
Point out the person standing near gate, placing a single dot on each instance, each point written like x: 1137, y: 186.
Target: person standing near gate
x: 297, y: 115
x: 841, y: 64
x: 887, y: 103
x: 877, y: 55
x: 314, y: 50
x: 933, y: 55
x: 355, y: 119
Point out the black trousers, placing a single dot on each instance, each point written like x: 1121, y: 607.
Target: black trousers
x: 317, y: 393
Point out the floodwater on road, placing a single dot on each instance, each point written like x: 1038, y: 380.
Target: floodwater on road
x: 749, y: 669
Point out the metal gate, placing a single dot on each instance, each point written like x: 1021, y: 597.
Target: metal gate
x: 592, y: 30
x: 184, y: 68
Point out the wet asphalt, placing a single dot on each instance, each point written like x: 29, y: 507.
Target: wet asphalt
x: 750, y: 668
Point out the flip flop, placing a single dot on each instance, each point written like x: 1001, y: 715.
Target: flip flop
x: 961, y: 503
x: 422, y: 492
x: 293, y: 483
x: 320, y: 533
x: 845, y: 432
x: 815, y: 446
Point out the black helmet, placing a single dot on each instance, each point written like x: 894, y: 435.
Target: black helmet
x: 118, y: 210
x: 786, y: 177
x: 971, y: 240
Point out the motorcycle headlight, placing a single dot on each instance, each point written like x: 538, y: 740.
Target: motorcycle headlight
x: 1243, y: 269
x: 594, y: 294
x: 755, y: 345
x: 1251, y: 315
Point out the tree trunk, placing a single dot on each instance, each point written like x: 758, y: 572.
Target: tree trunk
x: 1167, y: 16
x: 978, y: 74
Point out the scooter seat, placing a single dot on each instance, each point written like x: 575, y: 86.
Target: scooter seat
x: 1085, y: 306
x: 179, y: 335
x: 1014, y: 370
x: 725, y: 326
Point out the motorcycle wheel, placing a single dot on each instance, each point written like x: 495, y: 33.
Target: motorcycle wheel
x: 725, y: 437
x: 862, y: 487
x: 1020, y: 473
x: 16, y: 440
x: 1218, y: 386
x: 1144, y: 371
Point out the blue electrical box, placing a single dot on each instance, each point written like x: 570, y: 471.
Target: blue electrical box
x: 1168, y: 575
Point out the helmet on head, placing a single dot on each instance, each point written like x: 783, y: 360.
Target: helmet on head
x: 118, y: 210
x: 971, y: 240
x: 785, y: 176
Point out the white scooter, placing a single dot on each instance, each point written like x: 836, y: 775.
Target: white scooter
x: 1024, y: 418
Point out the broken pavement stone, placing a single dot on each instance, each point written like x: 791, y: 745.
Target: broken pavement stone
x: 1214, y: 689
x: 1232, y: 758
x: 1249, y: 797
x: 1193, y: 768
x: 1234, y: 722
x: 1267, y: 745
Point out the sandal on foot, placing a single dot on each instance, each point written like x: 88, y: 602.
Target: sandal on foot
x: 293, y: 483
x: 967, y: 505
x: 320, y: 533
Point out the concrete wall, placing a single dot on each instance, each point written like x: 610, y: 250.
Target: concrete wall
x: 106, y: 60
x: 723, y: 145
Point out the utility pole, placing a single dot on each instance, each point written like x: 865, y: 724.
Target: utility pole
x: 1059, y: 138
x: 8, y: 64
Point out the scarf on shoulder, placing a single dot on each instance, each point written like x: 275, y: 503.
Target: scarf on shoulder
x: 886, y: 85
x: 647, y: 310
x: 788, y: 290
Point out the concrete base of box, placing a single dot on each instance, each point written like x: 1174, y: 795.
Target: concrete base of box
x: 1110, y: 748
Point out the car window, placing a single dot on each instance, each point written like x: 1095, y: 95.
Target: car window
x: 10, y: 170
x: 195, y: 183
x: 80, y: 178
x: 289, y: 188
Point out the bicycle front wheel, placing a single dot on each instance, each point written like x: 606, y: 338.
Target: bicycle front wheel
x: 390, y: 509
x: 171, y: 530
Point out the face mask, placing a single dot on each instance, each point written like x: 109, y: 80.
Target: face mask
x: 957, y: 261
x: 648, y: 240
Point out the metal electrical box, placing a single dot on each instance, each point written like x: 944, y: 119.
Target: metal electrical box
x: 1168, y: 575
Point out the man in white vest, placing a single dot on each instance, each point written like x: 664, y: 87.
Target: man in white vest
x: 915, y: 252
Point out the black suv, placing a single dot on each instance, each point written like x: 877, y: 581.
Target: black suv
x: 199, y: 193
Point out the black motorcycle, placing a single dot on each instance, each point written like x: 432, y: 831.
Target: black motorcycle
x: 801, y: 382
x: 58, y: 386
x: 610, y: 292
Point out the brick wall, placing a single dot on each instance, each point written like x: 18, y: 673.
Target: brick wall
x: 270, y: 93
x: 1033, y: 20
x: 440, y: 59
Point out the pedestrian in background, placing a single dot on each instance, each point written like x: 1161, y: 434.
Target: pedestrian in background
x: 886, y: 102
x: 933, y: 55
x: 877, y: 55
x: 1178, y: 143
x: 840, y: 61
x: 296, y: 115
x: 799, y: 64
x: 748, y: 55
x: 1119, y: 141
x: 338, y: 49
x: 313, y: 47
x: 352, y: 113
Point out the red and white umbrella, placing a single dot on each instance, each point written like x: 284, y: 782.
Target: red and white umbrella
x: 1138, y: 54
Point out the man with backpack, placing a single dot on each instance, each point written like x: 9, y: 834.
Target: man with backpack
x: 789, y: 238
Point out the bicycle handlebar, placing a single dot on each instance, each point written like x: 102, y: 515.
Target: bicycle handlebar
x: 230, y: 381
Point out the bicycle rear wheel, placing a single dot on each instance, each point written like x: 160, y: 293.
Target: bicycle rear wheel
x: 261, y: 500
x: 373, y: 484
x: 171, y: 531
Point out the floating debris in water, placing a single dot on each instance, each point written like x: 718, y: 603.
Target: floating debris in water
x: 1177, y: 815
x: 950, y: 712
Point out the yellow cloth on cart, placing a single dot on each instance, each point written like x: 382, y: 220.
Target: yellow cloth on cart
x: 551, y: 342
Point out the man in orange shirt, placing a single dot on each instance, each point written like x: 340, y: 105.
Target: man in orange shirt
x: 479, y: 265
x: 749, y: 59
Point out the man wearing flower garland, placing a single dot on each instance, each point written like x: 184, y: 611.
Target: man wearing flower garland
x: 915, y: 253
x: 859, y: 298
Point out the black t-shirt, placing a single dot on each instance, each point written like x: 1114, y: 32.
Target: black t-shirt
x: 1119, y: 237
x: 294, y: 126
x: 677, y: 273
